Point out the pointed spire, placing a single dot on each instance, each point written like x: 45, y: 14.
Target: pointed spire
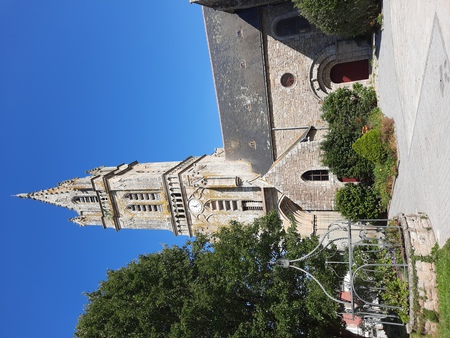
x: 52, y: 196
x: 65, y: 194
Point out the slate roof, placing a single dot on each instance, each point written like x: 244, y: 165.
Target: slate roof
x: 236, y: 51
x: 233, y: 5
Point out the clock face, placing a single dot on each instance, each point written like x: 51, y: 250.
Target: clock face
x: 195, y: 206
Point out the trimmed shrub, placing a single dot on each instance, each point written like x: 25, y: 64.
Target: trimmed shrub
x: 358, y: 201
x: 370, y: 147
x: 342, y: 160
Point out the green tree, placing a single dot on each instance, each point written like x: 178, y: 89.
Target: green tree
x: 225, y: 286
x: 358, y: 201
x: 339, y: 17
x: 347, y: 111
x: 347, y: 107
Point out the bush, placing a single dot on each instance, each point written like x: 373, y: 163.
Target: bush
x: 370, y: 147
x: 342, y: 159
x: 349, y: 107
x: 358, y: 201
x: 386, y: 170
x: 347, y: 111
x: 338, y: 17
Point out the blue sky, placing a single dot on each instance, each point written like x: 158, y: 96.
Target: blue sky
x: 85, y: 83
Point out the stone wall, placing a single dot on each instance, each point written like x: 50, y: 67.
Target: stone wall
x: 300, y: 55
x: 297, y: 105
x: 419, y: 241
x: 285, y: 175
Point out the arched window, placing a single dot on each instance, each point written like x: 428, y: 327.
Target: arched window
x: 224, y: 205
x: 291, y: 26
x: 145, y: 207
x: 85, y: 199
x: 316, y: 175
x: 143, y: 196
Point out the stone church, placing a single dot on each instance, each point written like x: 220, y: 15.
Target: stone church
x: 271, y: 71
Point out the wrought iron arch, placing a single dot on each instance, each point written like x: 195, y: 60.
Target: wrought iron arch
x: 371, y: 248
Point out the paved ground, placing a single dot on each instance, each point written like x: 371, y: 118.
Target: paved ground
x: 414, y: 89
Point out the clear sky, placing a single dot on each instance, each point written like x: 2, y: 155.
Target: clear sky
x: 85, y: 83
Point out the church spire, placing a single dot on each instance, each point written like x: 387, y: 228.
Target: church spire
x: 197, y: 194
x: 128, y: 195
x: 65, y: 194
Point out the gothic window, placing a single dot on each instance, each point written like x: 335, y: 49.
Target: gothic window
x: 85, y: 199
x: 177, y: 201
x: 288, y: 27
x: 316, y: 175
x: 143, y: 196
x: 145, y: 207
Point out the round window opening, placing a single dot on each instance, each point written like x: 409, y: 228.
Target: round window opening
x: 287, y: 80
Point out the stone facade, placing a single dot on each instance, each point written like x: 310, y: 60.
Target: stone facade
x: 294, y: 106
x: 286, y: 176
x: 298, y: 54
x: 271, y: 70
x: 253, y: 52
x: 197, y: 194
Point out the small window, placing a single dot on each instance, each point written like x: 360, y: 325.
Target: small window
x: 287, y: 80
x: 316, y: 175
x: 225, y: 205
x: 143, y: 196
x: 252, y: 205
x: 145, y: 207
x: 85, y: 199
x: 233, y: 205
x: 291, y: 26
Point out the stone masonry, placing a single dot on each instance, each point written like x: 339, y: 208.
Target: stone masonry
x: 286, y: 174
x: 296, y: 105
x: 419, y: 240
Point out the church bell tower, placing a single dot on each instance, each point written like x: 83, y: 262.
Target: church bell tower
x: 200, y: 194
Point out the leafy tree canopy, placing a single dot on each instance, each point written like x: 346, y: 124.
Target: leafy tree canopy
x: 346, y: 18
x: 348, y: 108
x: 224, y: 286
x: 347, y: 111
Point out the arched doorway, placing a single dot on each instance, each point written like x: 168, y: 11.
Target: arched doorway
x: 350, y: 71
